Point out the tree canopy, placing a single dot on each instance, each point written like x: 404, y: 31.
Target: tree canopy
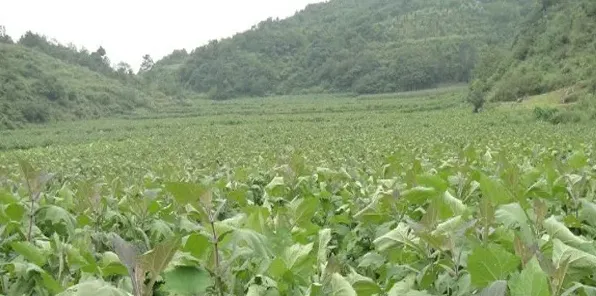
x: 553, y: 49
x: 350, y: 46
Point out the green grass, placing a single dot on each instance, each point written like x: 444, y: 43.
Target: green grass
x: 314, y: 195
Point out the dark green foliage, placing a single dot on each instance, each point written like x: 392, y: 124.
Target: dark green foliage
x: 553, y: 50
x: 4, y: 38
x: 147, y: 63
x: 97, y: 61
x: 556, y: 116
x: 375, y: 46
x: 36, y: 88
x: 476, y: 97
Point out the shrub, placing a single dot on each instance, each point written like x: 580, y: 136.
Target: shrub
x: 35, y: 113
x: 519, y: 85
x: 556, y: 116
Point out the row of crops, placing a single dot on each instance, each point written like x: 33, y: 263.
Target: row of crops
x: 338, y: 203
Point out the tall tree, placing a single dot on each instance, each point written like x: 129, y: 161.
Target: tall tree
x: 124, y: 69
x: 4, y: 38
x: 101, y: 51
x: 147, y: 63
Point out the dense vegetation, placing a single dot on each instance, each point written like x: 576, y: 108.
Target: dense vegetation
x: 553, y: 50
x: 342, y: 46
x: 336, y: 194
x: 375, y: 46
x: 385, y: 195
x: 42, y: 81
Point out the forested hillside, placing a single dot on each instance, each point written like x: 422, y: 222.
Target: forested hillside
x: 43, y: 81
x: 508, y: 49
x: 554, y: 49
x: 348, y: 46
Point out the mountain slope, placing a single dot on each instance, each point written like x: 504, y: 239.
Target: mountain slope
x: 553, y: 50
x: 349, y: 46
x: 38, y: 88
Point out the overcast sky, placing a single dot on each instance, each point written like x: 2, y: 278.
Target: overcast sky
x: 127, y: 29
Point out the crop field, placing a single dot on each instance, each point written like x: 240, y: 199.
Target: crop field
x: 318, y: 195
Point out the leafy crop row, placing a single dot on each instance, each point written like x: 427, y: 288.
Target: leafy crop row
x: 409, y: 204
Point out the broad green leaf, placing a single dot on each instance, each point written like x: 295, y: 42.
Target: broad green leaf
x: 315, y: 289
x: 50, y: 282
x: 83, y: 259
x: 572, y: 291
x: 258, y: 290
x: 15, y: 211
x: 558, y: 230
x: 277, y: 268
x: 405, y: 288
x: 455, y: 205
x: 371, y: 259
x: 257, y: 218
x: 433, y: 181
x: 187, y: 280
x: 241, y: 237
x: 587, y: 212
x: 186, y: 193
x: 513, y: 215
x: 451, y: 226
x: 496, y: 288
x: 490, y: 264
x: 159, y: 230
x: 7, y: 197
x: 339, y: 286
x: 27, y: 270
x: 239, y: 195
x: 324, y: 239
x: 294, y: 254
x: 510, y: 215
x: 363, y: 285
x: 197, y: 245
x: 402, y: 287
x: 57, y: 217
x: 428, y: 275
x: 578, y: 160
x: 577, y: 258
x: 32, y: 253
x: 157, y: 259
x: 111, y: 264
x: 417, y: 293
x: 275, y: 187
x: 419, y: 195
x: 93, y: 288
x: 496, y: 192
x: 401, y: 235
x: 464, y: 285
x: 531, y: 282
x: 303, y: 209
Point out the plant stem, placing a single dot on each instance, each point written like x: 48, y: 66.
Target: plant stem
x: 31, y: 217
x: 219, y: 283
x: 31, y: 211
x: 149, y: 288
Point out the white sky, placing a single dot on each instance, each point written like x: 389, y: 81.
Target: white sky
x: 128, y: 29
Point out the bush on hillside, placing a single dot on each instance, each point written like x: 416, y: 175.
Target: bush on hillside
x: 519, y: 85
x: 556, y: 116
x: 36, y: 113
